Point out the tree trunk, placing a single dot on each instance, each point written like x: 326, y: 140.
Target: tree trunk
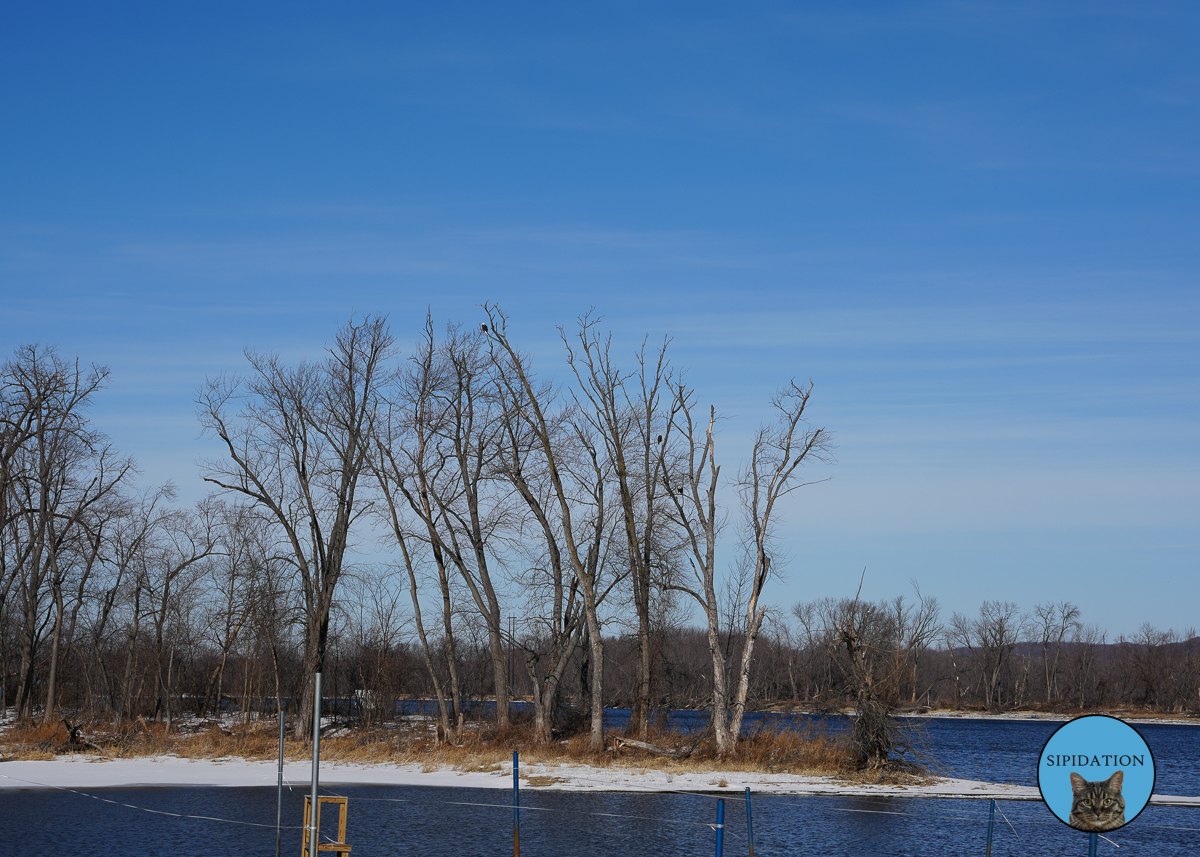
x: 130, y: 657
x: 596, y: 645
x: 426, y: 654
x: 52, y: 679
x: 743, y: 687
x: 720, y: 695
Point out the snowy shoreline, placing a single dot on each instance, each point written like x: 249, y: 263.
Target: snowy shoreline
x: 1023, y: 716
x: 168, y: 771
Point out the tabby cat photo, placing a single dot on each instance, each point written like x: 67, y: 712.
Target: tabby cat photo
x: 1097, y: 806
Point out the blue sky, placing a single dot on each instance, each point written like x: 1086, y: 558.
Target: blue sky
x: 973, y: 225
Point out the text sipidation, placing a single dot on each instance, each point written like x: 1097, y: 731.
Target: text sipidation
x: 1107, y: 761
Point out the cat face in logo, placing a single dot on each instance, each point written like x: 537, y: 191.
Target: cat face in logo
x: 1097, y: 806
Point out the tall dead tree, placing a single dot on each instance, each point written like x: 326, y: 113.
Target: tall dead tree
x: 692, y: 486
x: 471, y: 510
x: 778, y: 452
x: 409, y: 467
x: 575, y: 473
x: 296, y: 442
x: 628, y: 411
x: 443, y: 439
x: 554, y: 615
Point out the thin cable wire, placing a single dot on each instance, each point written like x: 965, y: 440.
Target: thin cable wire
x: 1023, y: 822
x: 525, y: 808
x: 915, y: 814
x: 1006, y: 821
x: 579, y: 812
x: 966, y: 816
x: 147, y: 809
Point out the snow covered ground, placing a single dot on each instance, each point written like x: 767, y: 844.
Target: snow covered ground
x: 78, y: 772
x: 92, y: 772
x: 1132, y: 718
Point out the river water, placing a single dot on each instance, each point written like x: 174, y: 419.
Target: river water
x: 467, y: 822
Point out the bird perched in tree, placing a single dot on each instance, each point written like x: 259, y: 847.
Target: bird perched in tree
x: 483, y: 327
x: 660, y: 438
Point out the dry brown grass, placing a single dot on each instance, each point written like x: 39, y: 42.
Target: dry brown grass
x: 809, y: 751
x: 32, y: 741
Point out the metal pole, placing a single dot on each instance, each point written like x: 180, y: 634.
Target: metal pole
x: 749, y: 823
x: 516, y: 807
x: 1092, y: 841
x: 314, y: 815
x: 991, y: 826
x: 720, y: 826
x: 279, y: 796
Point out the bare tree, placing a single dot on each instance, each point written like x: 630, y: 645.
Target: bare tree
x: 55, y: 473
x: 1082, y: 667
x: 990, y: 640
x: 413, y: 468
x: 405, y: 538
x: 170, y: 568
x: 778, y: 451
x: 235, y: 582
x: 629, y: 413
x: 874, y: 647
x: 468, y: 431
x: 76, y: 560
x: 917, y: 627
x: 1053, y: 621
x: 376, y: 620
x: 554, y: 612
x: 296, y: 442
x: 576, y: 486
x: 124, y: 542
x: 694, y: 494
x: 1145, y: 663
x: 869, y: 637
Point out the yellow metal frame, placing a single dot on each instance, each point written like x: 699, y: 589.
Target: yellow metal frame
x: 340, y: 847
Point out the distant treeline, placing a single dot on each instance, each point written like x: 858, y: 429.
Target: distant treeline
x: 542, y: 540
x: 1156, y: 671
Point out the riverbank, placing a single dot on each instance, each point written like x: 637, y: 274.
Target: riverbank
x: 1128, y: 715
x: 1049, y: 717
x: 91, y: 772
x: 82, y: 773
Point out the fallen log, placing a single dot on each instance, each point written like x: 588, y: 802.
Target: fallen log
x: 650, y: 748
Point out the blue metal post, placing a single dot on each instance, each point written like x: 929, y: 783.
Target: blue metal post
x: 1092, y: 841
x: 516, y: 807
x: 279, y: 790
x: 991, y: 826
x: 720, y: 826
x: 749, y: 822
